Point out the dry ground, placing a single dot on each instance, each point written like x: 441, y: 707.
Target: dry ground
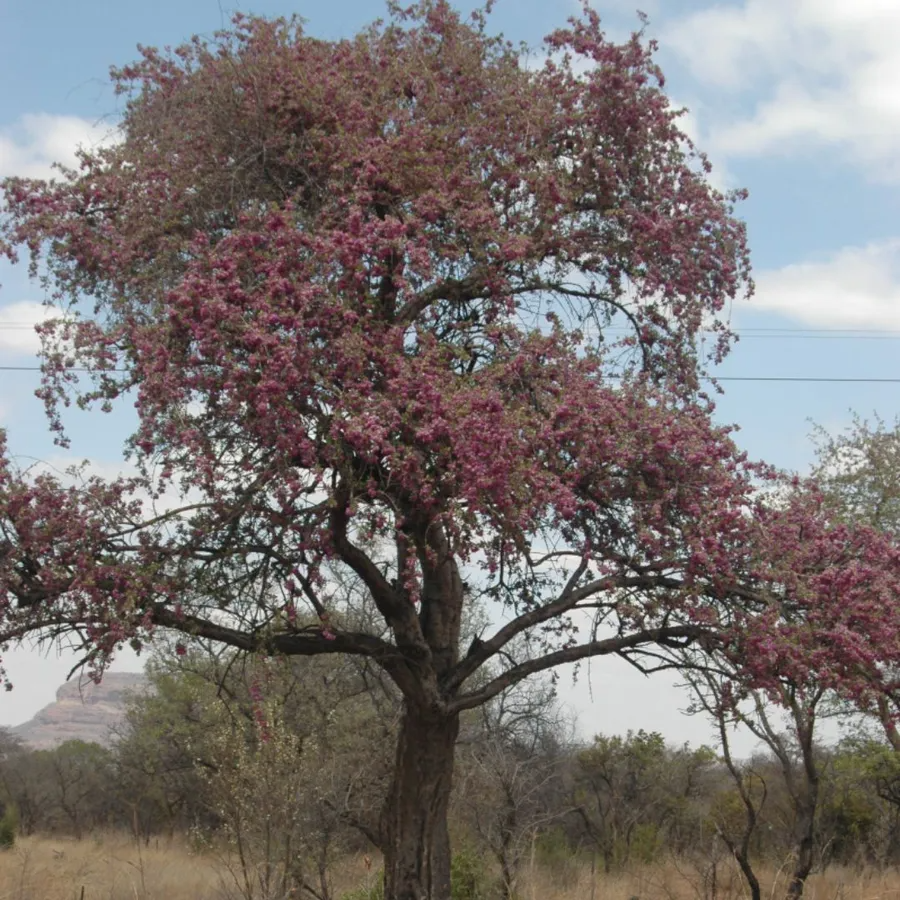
x: 112, y: 867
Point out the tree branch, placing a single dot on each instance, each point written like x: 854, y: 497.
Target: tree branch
x: 687, y: 633
x: 567, y: 601
x: 397, y: 612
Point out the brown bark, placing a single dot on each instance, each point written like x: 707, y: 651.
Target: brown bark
x: 740, y: 850
x: 805, y: 842
x: 414, y: 836
x: 805, y: 796
x: 887, y: 720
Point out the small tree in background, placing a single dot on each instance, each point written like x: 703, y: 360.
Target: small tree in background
x: 159, y: 752
x: 509, y: 768
x: 9, y: 826
x: 259, y: 789
x: 858, y: 471
x: 619, y: 787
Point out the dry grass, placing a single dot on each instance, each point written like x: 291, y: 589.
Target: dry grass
x: 681, y: 881
x: 112, y: 867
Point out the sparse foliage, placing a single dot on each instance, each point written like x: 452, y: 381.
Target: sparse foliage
x: 9, y: 826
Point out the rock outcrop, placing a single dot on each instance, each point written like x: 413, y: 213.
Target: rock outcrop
x: 83, y: 711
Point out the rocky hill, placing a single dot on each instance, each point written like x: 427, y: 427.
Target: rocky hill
x: 83, y: 711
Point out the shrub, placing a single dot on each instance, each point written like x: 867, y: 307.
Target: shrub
x: 554, y: 853
x: 468, y: 880
x: 374, y: 891
x: 468, y: 876
x: 9, y: 824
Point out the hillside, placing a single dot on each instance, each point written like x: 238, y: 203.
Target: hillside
x: 82, y: 711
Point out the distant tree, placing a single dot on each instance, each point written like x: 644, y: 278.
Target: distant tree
x: 692, y: 776
x: 9, y: 823
x: 159, y: 749
x: 858, y: 471
x: 360, y: 293
x: 82, y: 786
x: 26, y: 783
x: 858, y: 825
x: 10, y: 749
x: 169, y: 753
x: 261, y: 783
x: 618, y: 789
x: 509, y: 764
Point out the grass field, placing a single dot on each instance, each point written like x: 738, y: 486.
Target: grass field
x: 113, y: 867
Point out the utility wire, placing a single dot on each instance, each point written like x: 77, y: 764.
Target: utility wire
x: 804, y: 379
x: 778, y: 378
x: 818, y: 337
x: 832, y: 334
x: 825, y: 330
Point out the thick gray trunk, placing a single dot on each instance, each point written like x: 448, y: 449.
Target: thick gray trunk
x: 804, y: 862
x: 415, y: 839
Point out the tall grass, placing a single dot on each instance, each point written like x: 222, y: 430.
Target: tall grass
x: 106, y: 866
x: 113, y: 867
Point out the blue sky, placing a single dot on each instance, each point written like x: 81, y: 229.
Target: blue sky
x: 797, y: 100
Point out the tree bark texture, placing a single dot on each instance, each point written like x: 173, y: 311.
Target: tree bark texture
x: 415, y: 838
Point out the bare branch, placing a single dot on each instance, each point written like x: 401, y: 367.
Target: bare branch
x: 686, y: 633
x: 567, y: 601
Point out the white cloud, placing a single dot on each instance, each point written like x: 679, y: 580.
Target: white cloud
x: 30, y: 146
x: 690, y: 123
x: 59, y: 466
x: 17, y: 321
x: 730, y: 45
x: 817, y: 72
x: 857, y: 287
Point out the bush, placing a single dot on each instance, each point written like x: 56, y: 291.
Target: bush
x: 646, y: 843
x: 468, y: 880
x: 374, y: 892
x: 554, y: 853
x: 9, y: 824
x: 468, y: 876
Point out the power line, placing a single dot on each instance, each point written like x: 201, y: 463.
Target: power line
x: 805, y: 379
x: 73, y: 369
x: 802, y: 379
x: 854, y: 334
x: 824, y: 330
x: 819, y: 337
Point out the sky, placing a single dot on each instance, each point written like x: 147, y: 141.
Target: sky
x: 796, y: 100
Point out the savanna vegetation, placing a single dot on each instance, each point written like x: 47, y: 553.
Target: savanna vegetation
x: 236, y: 772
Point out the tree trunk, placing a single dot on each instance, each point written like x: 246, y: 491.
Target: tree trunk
x: 802, y: 869
x: 741, y: 854
x: 805, y: 845
x: 414, y: 836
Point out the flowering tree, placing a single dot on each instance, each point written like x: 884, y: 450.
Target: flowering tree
x: 828, y: 631
x: 858, y: 471
x: 403, y: 308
